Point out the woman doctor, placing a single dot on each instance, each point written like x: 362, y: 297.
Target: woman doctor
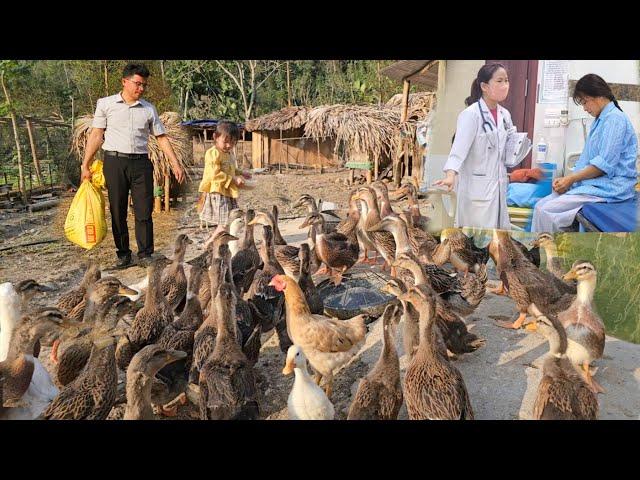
x: 477, y: 158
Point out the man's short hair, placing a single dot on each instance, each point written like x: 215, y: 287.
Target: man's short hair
x: 135, y: 69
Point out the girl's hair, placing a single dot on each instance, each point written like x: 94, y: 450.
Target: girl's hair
x: 229, y: 129
x: 484, y: 75
x: 592, y: 85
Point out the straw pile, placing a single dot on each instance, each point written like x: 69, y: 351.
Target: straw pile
x: 420, y: 104
x: 285, y: 119
x: 358, y: 129
x: 179, y: 137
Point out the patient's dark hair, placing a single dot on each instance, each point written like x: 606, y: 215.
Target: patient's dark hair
x: 592, y: 85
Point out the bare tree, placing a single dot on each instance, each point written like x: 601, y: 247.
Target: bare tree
x: 249, y: 76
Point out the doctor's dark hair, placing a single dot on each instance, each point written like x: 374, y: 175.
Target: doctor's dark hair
x: 484, y: 75
x: 592, y: 85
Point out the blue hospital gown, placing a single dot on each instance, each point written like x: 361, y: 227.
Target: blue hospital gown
x: 612, y: 147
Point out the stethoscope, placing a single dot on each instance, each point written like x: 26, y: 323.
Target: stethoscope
x: 485, y: 122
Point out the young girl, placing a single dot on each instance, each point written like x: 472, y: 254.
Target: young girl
x: 476, y: 164
x: 221, y: 178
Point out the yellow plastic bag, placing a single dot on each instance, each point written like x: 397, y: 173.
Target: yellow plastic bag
x: 97, y: 176
x: 86, y: 224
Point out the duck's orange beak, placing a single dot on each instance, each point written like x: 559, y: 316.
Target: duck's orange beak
x: 288, y: 367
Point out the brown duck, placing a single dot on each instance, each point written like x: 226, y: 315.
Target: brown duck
x: 433, y: 388
x: 379, y: 394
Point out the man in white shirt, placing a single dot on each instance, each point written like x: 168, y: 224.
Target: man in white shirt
x: 125, y: 121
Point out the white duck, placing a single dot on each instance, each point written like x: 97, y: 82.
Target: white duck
x: 41, y: 389
x: 236, y: 228
x: 307, y: 401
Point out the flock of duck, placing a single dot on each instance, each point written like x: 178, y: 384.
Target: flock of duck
x: 197, y: 326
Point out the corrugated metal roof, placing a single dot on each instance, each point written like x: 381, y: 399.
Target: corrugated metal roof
x: 205, y: 123
x: 419, y: 72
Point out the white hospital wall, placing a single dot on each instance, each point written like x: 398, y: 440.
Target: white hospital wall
x: 563, y: 141
x: 453, y: 88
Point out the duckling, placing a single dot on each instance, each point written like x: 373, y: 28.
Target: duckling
x: 287, y: 255
x: 28, y: 387
x: 379, y: 395
x: 93, y: 393
x: 465, y: 256
x: 584, y: 327
x: 179, y: 335
x: 347, y: 227
x: 10, y: 316
x: 306, y: 282
x: 310, y: 202
x: 72, y: 356
x: 535, y: 291
x: 433, y: 388
x: 267, y: 302
x: 205, y: 336
x: 307, y: 401
x: 140, y: 375
x: 421, y: 244
x: 69, y: 300
x: 410, y: 324
x: 247, y: 260
x: 328, y: 343
x: 413, y: 212
x: 383, y: 241
x: 562, y: 393
x: 455, y: 332
x: 382, y: 197
x: 27, y: 289
x: 151, y: 320
x: 333, y: 249
x: 553, y: 263
x: 249, y: 325
x: 463, y: 294
x: 227, y: 380
x: 365, y: 243
x: 174, y: 280
x: 212, y: 248
x: 236, y: 228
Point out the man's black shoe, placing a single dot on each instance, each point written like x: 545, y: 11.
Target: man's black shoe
x: 144, y: 260
x: 123, y: 262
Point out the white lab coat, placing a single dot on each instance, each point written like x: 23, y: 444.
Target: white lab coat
x: 482, y: 180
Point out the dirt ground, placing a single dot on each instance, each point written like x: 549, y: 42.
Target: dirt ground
x: 501, y: 377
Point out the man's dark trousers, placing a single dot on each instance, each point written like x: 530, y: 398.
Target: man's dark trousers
x: 123, y: 173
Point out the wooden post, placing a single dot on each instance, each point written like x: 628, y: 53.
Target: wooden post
x: 286, y: 159
x: 167, y: 186
x: 319, y: 158
x: 397, y: 173
x: 288, y: 87
x: 14, y: 123
x: 36, y: 162
x: 376, y: 166
x: 50, y: 177
x: 157, y: 203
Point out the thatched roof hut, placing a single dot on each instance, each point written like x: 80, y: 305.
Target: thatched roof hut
x: 350, y: 130
x: 289, y: 118
x: 179, y: 136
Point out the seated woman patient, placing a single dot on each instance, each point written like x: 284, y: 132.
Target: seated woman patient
x: 606, y: 170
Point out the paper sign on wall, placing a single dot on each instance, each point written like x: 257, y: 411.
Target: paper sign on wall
x: 554, y: 86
